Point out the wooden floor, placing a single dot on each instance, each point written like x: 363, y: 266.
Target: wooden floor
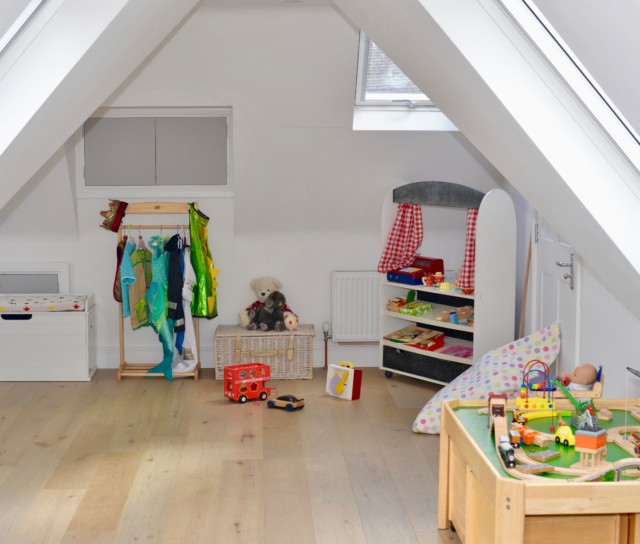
x: 146, y: 460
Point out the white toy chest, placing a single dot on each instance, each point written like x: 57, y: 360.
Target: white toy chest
x: 47, y: 338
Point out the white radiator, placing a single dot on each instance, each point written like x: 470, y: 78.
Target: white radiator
x: 354, y: 306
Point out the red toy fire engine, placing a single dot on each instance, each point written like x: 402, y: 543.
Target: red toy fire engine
x: 247, y: 381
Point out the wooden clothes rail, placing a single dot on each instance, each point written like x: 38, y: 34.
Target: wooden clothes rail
x: 141, y: 370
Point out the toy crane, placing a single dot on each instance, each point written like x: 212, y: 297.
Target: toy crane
x: 586, y: 415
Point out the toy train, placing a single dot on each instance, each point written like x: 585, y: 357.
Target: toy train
x: 506, y: 452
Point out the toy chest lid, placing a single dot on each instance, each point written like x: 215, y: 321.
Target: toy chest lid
x: 27, y: 304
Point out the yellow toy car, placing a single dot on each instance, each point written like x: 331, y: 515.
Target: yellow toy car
x: 564, y: 435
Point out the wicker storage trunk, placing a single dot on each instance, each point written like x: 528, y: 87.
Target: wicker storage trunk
x: 289, y: 353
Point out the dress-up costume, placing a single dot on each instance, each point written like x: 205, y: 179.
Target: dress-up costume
x: 140, y: 260
x: 157, y: 299
x: 117, y: 287
x: 174, y: 290
x: 189, y: 346
x: 127, y: 276
x: 205, y: 302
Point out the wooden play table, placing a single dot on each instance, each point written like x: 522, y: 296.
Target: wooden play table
x: 485, y: 504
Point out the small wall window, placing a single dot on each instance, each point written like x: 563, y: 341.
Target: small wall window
x: 152, y: 152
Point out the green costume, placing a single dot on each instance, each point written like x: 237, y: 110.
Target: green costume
x: 204, y: 302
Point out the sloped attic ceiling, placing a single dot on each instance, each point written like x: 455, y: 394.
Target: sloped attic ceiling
x: 476, y: 65
x: 63, y: 72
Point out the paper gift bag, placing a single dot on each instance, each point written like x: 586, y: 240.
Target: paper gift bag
x: 344, y: 381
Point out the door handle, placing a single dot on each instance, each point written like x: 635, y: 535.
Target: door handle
x: 569, y: 275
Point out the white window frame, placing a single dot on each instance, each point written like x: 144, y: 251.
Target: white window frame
x: 395, y: 114
x: 389, y: 100
x: 61, y: 270
x: 155, y: 191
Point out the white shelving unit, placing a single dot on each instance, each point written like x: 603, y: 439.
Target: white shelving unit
x: 494, y: 295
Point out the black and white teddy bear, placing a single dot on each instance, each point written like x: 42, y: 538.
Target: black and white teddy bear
x: 263, y: 287
x: 271, y: 315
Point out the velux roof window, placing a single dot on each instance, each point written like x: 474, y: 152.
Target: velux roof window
x: 381, y: 82
x: 386, y: 99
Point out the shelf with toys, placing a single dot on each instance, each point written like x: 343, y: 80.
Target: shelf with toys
x: 472, y: 323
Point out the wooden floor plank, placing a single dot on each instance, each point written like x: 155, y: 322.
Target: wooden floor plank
x: 151, y: 494
x: 20, y: 490
x: 379, y: 506
x: 287, y: 508
x: 79, y: 463
x: 34, y: 410
x: 239, y: 515
x: 77, y: 398
x: 47, y: 518
x: 199, y: 474
x: 416, y: 488
x: 106, y: 494
x: 71, y: 537
x: 333, y: 506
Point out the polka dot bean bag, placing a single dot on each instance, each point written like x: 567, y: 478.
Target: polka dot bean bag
x: 499, y: 371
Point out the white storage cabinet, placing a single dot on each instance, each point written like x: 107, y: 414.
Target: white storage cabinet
x: 494, y: 295
x: 48, y: 345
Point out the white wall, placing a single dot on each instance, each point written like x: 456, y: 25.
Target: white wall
x: 309, y: 190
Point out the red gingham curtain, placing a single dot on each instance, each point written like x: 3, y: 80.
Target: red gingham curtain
x: 404, y: 239
x: 467, y: 274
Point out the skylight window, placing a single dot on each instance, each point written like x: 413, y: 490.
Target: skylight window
x: 386, y: 99
x: 381, y: 82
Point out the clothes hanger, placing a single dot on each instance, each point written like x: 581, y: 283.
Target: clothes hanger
x: 140, y: 245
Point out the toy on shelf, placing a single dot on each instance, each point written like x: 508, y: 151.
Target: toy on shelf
x: 247, y: 381
x: 416, y: 308
x: 395, y: 303
x: 463, y: 315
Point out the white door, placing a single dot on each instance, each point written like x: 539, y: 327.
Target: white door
x: 556, y: 294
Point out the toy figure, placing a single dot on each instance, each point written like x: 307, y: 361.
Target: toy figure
x: 581, y: 379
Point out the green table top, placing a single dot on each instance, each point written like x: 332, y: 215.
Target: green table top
x: 477, y: 426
